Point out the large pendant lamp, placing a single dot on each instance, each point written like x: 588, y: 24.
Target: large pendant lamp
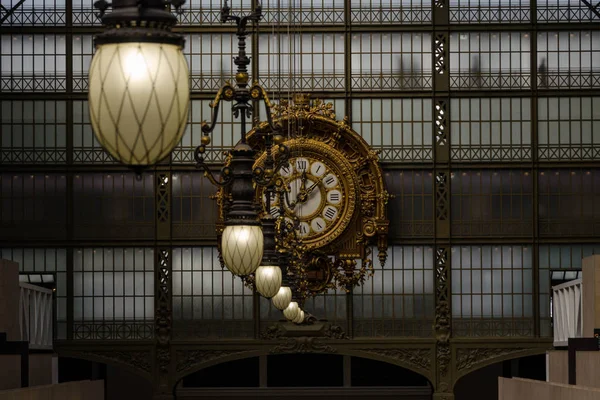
x: 138, y: 82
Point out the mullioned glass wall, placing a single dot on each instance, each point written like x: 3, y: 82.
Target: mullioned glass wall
x: 523, y: 123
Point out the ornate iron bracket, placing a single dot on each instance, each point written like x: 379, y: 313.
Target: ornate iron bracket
x: 242, y: 108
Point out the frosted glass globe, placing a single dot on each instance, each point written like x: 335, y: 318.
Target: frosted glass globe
x: 139, y: 96
x: 268, y: 280
x: 283, y: 298
x: 292, y: 311
x: 299, y: 318
x: 242, y: 248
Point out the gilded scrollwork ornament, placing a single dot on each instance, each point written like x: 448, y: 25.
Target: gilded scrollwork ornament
x: 347, y: 275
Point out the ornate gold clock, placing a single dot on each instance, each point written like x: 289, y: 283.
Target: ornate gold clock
x: 331, y: 188
x: 334, y: 188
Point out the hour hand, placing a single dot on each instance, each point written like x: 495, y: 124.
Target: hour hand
x: 303, y: 194
x: 303, y: 181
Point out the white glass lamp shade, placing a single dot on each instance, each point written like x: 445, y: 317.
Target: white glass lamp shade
x: 299, y: 318
x: 242, y: 248
x: 268, y: 280
x: 292, y: 311
x: 283, y: 298
x: 139, y: 96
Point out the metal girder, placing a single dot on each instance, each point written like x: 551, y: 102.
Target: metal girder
x: 595, y: 9
x: 11, y: 11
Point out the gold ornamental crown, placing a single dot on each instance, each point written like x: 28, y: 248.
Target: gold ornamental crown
x: 301, y: 99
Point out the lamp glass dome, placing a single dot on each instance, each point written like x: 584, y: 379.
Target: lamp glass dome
x: 138, y: 100
x: 283, y: 298
x: 292, y: 311
x: 242, y: 248
x: 299, y: 318
x: 268, y: 280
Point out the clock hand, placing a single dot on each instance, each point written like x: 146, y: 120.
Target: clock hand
x: 302, y: 196
x: 291, y: 204
x: 310, y: 189
x: 303, y: 182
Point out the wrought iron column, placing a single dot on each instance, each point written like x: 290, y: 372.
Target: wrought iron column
x: 69, y: 173
x: 442, y: 174
x: 534, y: 169
x: 347, y: 60
x: 163, y: 370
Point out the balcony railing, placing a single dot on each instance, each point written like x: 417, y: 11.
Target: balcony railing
x: 567, y: 311
x: 35, y: 316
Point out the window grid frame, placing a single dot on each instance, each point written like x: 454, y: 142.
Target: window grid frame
x: 130, y: 327
x: 492, y: 325
x: 378, y: 324
x: 192, y: 325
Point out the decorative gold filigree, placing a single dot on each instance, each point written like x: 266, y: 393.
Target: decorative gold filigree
x: 301, y: 109
x: 347, y: 276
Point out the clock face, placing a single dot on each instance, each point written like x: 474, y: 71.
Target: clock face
x: 315, y: 195
x: 321, y: 191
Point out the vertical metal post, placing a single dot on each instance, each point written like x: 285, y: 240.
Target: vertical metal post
x: 262, y: 371
x: 442, y: 181
x: 348, y: 59
x: 533, y: 35
x: 163, y: 310
x: 69, y: 175
x: 350, y: 313
x: 347, y: 366
x: 256, y: 313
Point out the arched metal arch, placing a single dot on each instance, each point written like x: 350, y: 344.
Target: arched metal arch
x: 518, y: 353
x: 136, y: 362
x: 241, y: 354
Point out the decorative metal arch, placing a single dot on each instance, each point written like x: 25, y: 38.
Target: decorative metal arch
x: 415, y: 359
x: 470, y: 359
x: 138, y: 361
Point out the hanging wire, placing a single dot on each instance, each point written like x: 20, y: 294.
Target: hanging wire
x: 290, y: 61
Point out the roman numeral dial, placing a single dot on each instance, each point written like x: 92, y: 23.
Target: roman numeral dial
x: 315, y: 194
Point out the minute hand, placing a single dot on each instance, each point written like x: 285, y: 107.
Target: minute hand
x: 310, y: 189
